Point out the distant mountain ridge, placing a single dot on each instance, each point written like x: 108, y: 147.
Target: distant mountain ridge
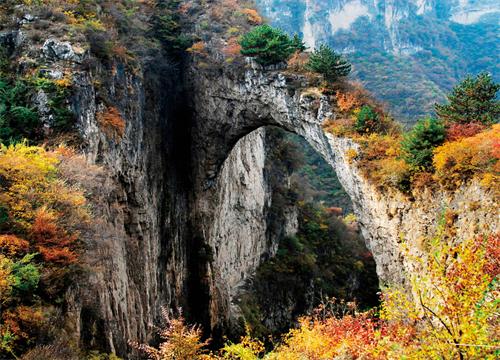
x: 409, y: 53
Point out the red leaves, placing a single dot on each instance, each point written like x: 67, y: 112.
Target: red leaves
x: 457, y: 131
x: 492, y: 266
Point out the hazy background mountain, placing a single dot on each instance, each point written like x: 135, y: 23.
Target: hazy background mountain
x: 409, y: 53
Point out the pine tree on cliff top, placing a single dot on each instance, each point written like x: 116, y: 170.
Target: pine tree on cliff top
x: 268, y: 45
x: 328, y: 63
x: 473, y: 100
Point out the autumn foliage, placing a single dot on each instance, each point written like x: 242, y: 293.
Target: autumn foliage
x: 40, y: 219
x: 179, y: 341
x: 112, y: 123
x: 450, y: 312
x: 468, y: 157
x: 253, y: 16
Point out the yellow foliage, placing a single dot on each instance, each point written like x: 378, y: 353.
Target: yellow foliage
x: 476, y: 156
x: 351, y: 155
x: 455, y: 302
x: 6, y: 279
x: 246, y: 349
x: 179, y: 341
x: 30, y: 174
x: 253, y: 16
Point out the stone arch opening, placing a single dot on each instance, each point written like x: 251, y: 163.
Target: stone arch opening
x: 251, y: 218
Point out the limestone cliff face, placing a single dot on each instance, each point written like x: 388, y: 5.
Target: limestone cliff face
x: 137, y: 250
x: 388, y: 218
x: 180, y: 206
x: 232, y: 105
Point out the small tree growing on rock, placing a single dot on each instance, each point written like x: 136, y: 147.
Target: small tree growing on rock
x: 268, y: 45
x: 367, y: 120
x: 327, y: 62
x: 418, y: 145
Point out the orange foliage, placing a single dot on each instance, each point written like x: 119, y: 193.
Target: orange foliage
x: 112, y: 123
x: 298, y: 61
x: 458, y: 161
x: 253, y: 16
x: 198, y: 48
x: 348, y: 101
x: 232, y: 48
x: 12, y: 245
x: 22, y: 320
x: 55, y: 245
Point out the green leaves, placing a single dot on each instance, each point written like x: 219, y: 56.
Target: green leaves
x: 418, y: 145
x: 25, y: 275
x: 269, y: 45
x: 367, y: 120
x: 473, y: 100
x: 17, y: 120
x: 328, y: 63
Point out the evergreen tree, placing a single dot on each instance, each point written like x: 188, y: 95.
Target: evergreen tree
x: 17, y: 120
x: 473, y: 100
x: 167, y: 29
x: 298, y: 44
x: 328, y: 63
x: 367, y: 120
x: 418, y: 144
x: 267, y: 44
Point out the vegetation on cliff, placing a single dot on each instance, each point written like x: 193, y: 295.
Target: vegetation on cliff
x: 41, y: 216
x: 450, y: 150
x: 43, y: 211
x: 455, y: 316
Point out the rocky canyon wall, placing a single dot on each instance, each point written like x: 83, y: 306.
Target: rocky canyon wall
x: 180, y: 203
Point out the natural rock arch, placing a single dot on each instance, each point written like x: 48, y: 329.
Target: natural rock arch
x: 227, y: 106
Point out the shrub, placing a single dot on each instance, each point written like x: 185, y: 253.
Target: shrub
x: 457, y: 131
x: 38, y: 241
x: 458, y: 161
x: 298, y: 61
x: 267, y: 44
x: 347, y: 101
x: 367, y: 120
x: 232, y: 48
x: 17, y: 119
x: 473, y: 100
x: 456, y: 306
x: 253, y: 16
x: 112, y: 123
x: 328, y: 63
x: 167, y: 28
x: 179, y: 341
x: 418, y: 144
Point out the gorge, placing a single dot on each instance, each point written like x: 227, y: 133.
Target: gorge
x: 178, y: 190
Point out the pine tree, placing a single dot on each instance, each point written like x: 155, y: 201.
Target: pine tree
x: 418, y: 145
x: 298, y: 44
x: 473, y: 100
x: 328, y: 63
x: 267, y: 44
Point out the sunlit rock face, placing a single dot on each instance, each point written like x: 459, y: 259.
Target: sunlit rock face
x: 426, y: 46
x: 232, y: 107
